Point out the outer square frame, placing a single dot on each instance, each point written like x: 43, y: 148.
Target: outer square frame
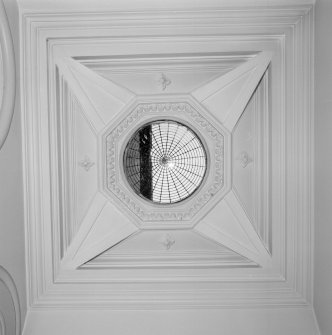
x: 291, y: 28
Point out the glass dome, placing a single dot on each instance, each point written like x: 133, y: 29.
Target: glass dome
x: 165, y: 161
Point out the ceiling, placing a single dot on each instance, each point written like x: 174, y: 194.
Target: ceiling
x: 91, y: 79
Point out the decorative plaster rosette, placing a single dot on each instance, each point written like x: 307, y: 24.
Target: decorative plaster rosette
x: 115, y: 181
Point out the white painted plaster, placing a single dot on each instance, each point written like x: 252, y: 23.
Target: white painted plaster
x: 323, y: 167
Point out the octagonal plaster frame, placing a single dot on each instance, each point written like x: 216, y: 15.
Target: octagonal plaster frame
x: 215, y: 185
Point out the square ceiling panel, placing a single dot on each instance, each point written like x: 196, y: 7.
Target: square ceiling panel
x: 122, y: 114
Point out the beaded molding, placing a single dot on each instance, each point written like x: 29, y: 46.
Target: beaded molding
x: 176, y: 108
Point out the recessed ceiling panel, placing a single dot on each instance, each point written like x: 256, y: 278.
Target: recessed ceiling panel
x: 168, y: 248
x: 159, y: 153
x: 222, y: 223
x: 155, y: 74
x: 251, y: 159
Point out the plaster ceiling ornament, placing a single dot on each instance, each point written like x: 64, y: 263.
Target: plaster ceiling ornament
x: 163, y: 81
x: 116, y: 141
x: 167, y: 241
x: 210, y: 211
x: 86, y: 163
x: 240, y: 229
x: 244, y: 158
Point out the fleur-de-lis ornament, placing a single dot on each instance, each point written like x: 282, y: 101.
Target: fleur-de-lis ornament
x: 86, y: 163
x: 163, y: 81
x: 167, y: 241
